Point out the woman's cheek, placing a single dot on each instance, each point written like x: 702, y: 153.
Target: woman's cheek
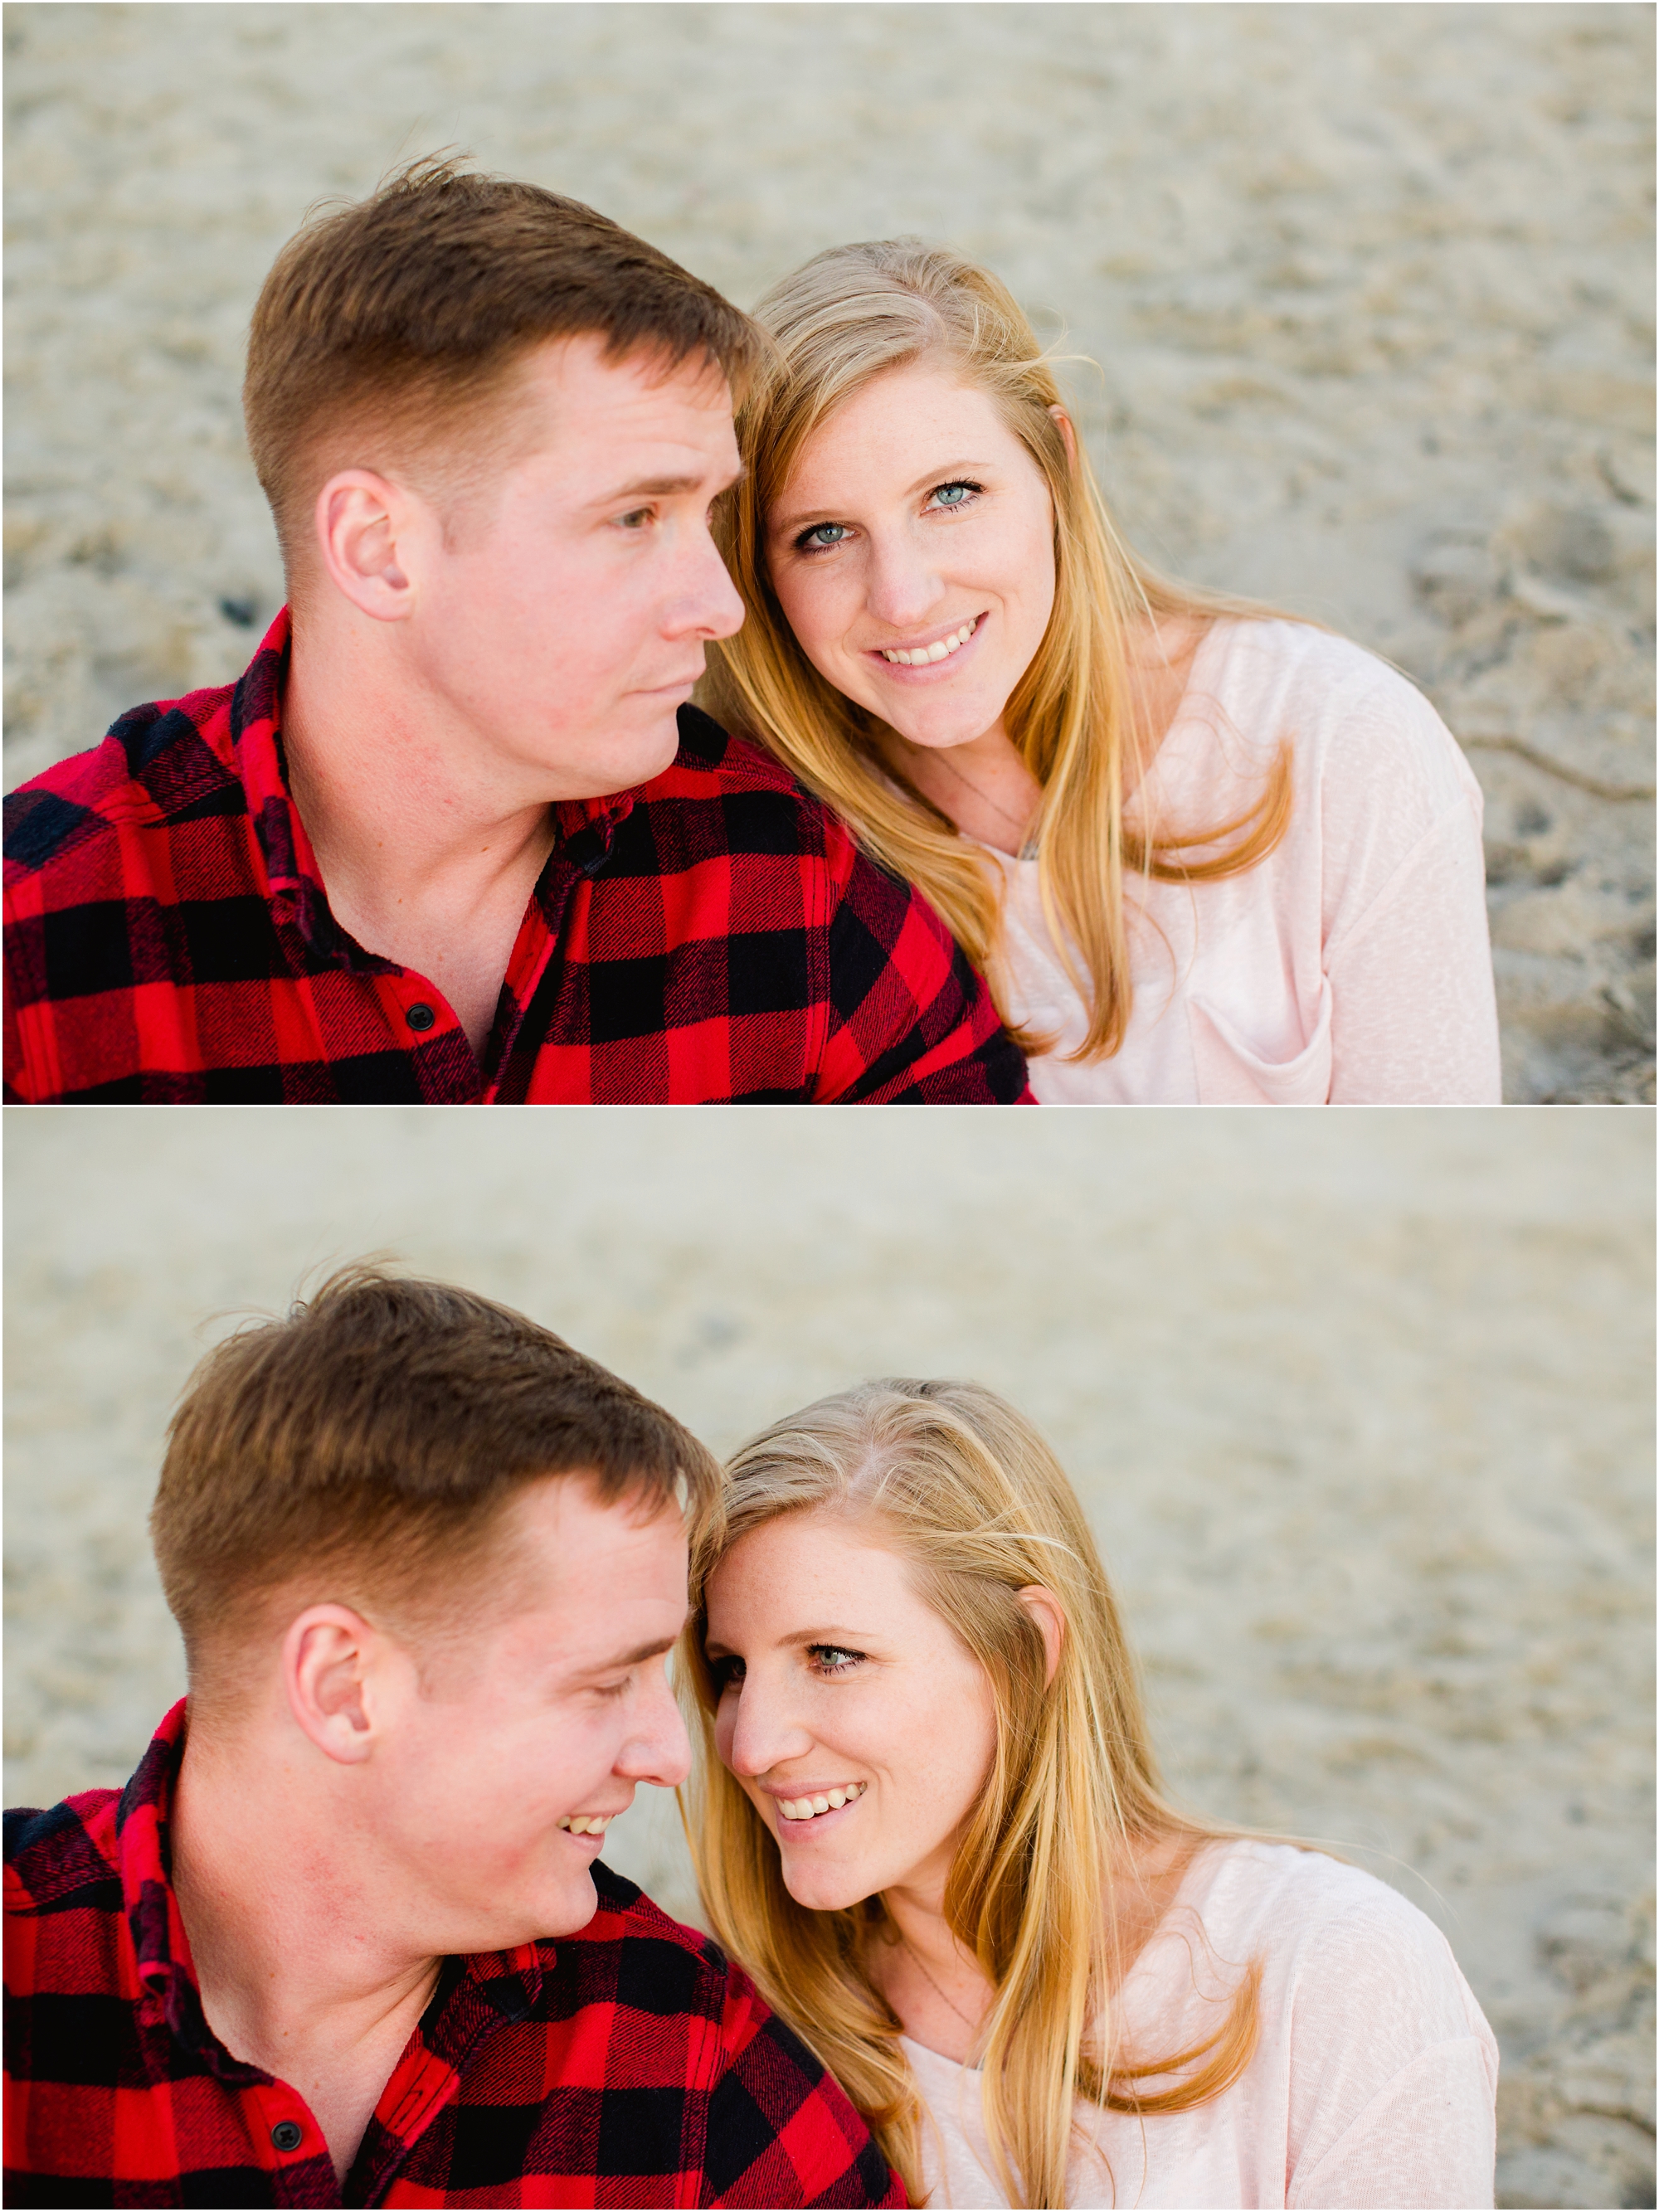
x: 725, y: 1727
x: 820, y: 609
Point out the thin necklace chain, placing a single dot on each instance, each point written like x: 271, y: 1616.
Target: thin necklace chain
x: 970, y: 2025
x: 968, y: 784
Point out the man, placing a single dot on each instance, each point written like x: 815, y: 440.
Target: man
x: 456, y: 835
x: 324, y: 1948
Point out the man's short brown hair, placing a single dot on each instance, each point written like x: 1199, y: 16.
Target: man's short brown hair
x: 361, y: 1449
x: 386, y: 330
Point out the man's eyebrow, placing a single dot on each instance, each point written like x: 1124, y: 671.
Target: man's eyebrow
x: 641, y: 1652
x: 660, y: 488
x: 783, y: 525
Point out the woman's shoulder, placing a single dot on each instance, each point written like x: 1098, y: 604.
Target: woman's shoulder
x: 1292, y: 679
x: 1303, y: 659
x: 1248, y: 1873
x: 1356, y: 726
x: 1339, y: 1934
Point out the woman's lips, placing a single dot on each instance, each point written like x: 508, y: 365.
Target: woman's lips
x: 929, y: 671
x: 796, y: 1814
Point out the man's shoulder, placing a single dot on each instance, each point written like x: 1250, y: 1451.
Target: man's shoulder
x: 64, y: 1857
x: 777, y: 2129
x: 632, y: 1954
x: 716, y: 763
x: 168, y: 762
x: 666, y: 1958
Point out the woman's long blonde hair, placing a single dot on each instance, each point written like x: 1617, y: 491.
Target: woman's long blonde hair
x: 844, y: 319
x: 968, y: 1491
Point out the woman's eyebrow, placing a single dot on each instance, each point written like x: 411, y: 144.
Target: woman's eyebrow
x: 944, y: 474
x: 800, y: 1640
x: 786, y: 525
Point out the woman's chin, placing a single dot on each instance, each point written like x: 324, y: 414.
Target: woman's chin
x: 938, y: 723
x: 820, y: 1891
x: 941, y: 733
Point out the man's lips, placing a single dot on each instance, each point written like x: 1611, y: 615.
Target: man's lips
x: 681, y: 683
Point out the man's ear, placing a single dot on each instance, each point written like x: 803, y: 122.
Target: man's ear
x: 366, y: 529
x: 330, y: 1656
x: 1067, y: 432
x: 1044, y: 1608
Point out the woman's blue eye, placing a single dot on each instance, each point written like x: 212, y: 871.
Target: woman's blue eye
x: 826, y: 533
x: 832, y: 1660
x: 954, y: 494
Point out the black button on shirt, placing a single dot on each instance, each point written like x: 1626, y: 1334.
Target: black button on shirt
x: 420, y: 1017
x: 286, y: 2135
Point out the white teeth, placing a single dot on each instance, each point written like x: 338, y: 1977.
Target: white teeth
x: 808, y: 1808
x: 923, y: 654
x: 586, y: 1824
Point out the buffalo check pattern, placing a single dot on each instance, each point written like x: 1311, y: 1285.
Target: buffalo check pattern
x: 714, y: 934
x: 627, y: 2065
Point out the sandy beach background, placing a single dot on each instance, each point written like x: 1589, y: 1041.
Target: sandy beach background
x: 1369, y: 289
x: 1360, y: 1405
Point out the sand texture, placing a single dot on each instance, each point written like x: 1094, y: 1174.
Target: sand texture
x: 1369, y: 289
x: 1360, y: 1406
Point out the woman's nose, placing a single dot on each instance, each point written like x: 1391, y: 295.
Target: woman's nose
x: 760, y: 1734
x: 902, y: 585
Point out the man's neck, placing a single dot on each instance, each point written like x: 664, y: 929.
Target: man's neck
x: 295, y: 1975
x: 424, y: 859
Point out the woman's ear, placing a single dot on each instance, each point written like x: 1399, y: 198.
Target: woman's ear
x: 1067, y: 432
x: 1044, y: 1608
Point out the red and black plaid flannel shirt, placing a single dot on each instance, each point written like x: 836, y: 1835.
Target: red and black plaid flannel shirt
x: 714, y: 934
x: 629, y: 2064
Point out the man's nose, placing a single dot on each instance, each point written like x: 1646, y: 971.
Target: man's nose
x: 711, y: 604
x: 658, y: 1749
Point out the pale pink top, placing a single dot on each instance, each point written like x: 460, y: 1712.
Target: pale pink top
x: 1373, y: 2083
x: 1353, y: 965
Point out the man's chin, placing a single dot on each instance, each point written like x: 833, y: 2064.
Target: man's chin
x: 575, y: 1905
x: 640, y: 759
x: 562, y: 1908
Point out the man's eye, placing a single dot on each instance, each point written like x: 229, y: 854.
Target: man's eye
x: 821, y: 537
x: 636, y: 518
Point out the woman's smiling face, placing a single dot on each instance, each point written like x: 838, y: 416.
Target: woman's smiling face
x: 835, y: 1678
x: 912, y: 552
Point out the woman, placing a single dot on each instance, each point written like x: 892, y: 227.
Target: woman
x: 1202, y: 853
x: 927, y: 1820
